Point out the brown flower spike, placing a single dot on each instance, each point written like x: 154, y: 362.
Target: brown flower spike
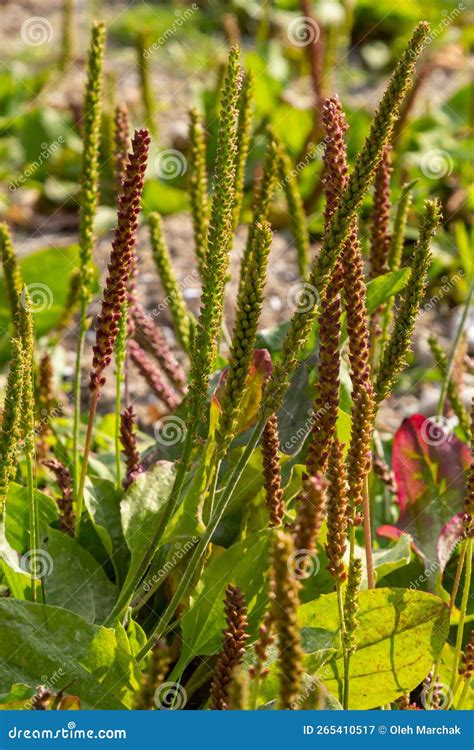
x: 380, y: 235
x: 67, y: 517
x: 129, y: 444
x: 336, y: 512
x: 233, y: 648
x: 121, y: 258
x: 271, y: 471
x: 354, y: 287
x: 311, y: 513
x: 284, y: 606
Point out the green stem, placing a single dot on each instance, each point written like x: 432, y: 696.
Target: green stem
x: 463, y: 610
x: 368, y: 536
x: 463, y: 695
x: 77, y: 398
x: 454, y: 350
x: 457, y: 578
x: 34, y: 527
x: 85, y: 458
x: 340, y: 605
x: 118, y: 408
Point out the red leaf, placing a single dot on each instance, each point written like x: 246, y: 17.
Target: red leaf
x: 430, y: 464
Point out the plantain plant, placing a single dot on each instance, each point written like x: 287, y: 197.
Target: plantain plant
x: 216, y: 543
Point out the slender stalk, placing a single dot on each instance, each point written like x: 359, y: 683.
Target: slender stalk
x: 464, y: 694
x: 118, y: 447
x: 76, y: 420
x: 34, y: 528
x: 342, y: 625
x: 463, y: 610
x: 88, y: 206
x: 368, y: 535
x: 459, y: 569
x: 85, y: 456
x: 452, y: 356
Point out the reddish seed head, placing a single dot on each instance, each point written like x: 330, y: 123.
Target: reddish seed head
x: 121, y: 258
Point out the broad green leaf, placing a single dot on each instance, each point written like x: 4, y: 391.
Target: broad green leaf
x: 102, y: 500
x: 245, y: 564
x: 75, y: 581
x: 17, y: 698
x: 39, y: 642
x: 141, y: 510
x: 18, y: 515
x: 400, y: 634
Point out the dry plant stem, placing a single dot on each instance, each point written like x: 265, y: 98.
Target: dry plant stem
x: 468, y: 543
x: 300, y: 326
